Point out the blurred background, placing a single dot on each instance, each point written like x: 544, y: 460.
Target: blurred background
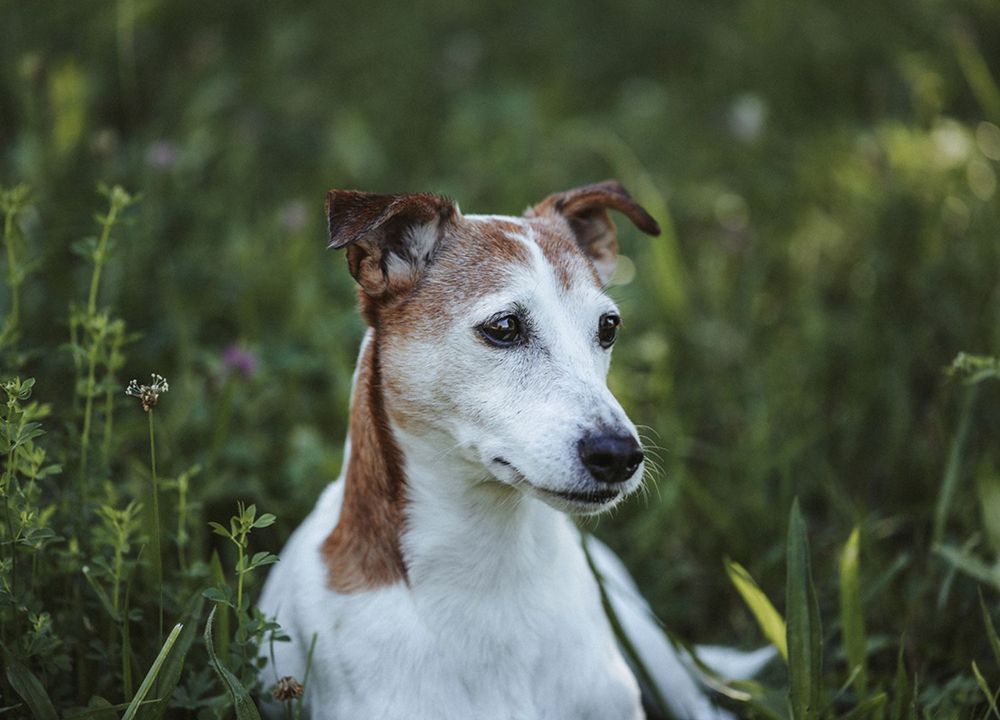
x: 825, y: 173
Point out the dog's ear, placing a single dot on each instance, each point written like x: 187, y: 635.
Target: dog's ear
x: 586, y: 210
x: 389, y: 238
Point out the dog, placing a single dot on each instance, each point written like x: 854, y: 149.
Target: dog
x: 441, y: 576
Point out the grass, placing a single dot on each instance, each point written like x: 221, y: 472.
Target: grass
x: 818, y: 326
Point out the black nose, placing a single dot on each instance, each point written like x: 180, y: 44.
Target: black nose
x: 610, y: 458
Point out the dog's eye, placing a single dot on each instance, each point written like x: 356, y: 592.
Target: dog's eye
x: 607, y: 329
x: 501, y: 331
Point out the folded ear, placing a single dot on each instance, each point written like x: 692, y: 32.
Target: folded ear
x: 389, y: 238
x: 586, y: 210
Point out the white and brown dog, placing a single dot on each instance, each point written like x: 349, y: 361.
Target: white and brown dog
x: 440, y: 575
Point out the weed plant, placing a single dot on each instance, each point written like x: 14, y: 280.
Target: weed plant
x: 810, y: 348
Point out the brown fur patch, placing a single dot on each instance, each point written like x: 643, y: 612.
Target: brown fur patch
x: 472, y: 260
x: 363, y: 551
x: 562, y: 252
x: 585, y: 209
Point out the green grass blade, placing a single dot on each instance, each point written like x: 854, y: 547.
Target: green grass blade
x: 147, y: 682
x: 170, y: 674
x: 969, y: 564
x: 991, y: 632
x: 103, y: 712
x: 870, y: 708
x: 953, y: 466
x: 851, y: 615
x: 805, y: 661
x: 644, y: 676
x: 770, y: 621
x: 242, y: 703
x: 987, y: 691
x: 29, y: 688
x: 901, y: 687
x: 222, y: 619
x: 766, y: 702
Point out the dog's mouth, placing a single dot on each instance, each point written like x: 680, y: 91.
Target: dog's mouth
x: 586, y: 498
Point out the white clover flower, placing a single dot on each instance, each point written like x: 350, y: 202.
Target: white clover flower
x: 148, y: 394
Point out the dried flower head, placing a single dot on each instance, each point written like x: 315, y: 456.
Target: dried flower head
x: 148, y: 394
x: 288, y: 688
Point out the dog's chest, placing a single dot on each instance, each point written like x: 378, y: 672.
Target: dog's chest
x: 492, y: 658
x: 518, y: 634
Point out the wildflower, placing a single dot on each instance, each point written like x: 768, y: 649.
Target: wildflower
x: 239, y: 360
x: 288, y: 688
x: 148, y: 394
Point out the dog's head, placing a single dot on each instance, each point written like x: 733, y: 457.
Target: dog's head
x: 494, y: 335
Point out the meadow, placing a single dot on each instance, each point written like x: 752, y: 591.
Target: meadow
x: 810, y: 347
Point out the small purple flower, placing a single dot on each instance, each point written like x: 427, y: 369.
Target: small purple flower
x: 162, y: 155
x: 294, y: 216
x: 239, y: 360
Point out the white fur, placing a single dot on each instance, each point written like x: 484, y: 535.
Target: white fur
x: 501, y: 616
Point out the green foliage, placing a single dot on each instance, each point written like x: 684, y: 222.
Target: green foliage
x: 770, y: 620
x: 826, y: 175
x: 805, y: 644
x: 852, y: 619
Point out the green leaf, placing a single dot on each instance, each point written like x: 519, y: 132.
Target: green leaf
x: 115, y: 615
x: 851, y: 616
x: 770, y: 621
x: 29, y: 688
x: 805, y: 660
x: 242, y: 703
x: 218, y: 595
x: 265, y: 520
x: 219, y: 529
x: 154, y: 670
x: 261, y: 559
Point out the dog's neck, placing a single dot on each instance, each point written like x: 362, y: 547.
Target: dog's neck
x: 415, y: 511
x: 467, y: 531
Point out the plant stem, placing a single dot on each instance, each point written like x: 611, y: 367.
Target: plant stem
x: 100, y: 256
x: 8, y: 487
x: 15, y: 296
x: 88, y: 410
x: 127, y: 643
x: 158, y: 556
x: 182, y: 522
x: 109, y: 404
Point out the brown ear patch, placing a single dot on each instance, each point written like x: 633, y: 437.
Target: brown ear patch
x: 363, y: 551
x: 586, y: 210
x: 389, y: 238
